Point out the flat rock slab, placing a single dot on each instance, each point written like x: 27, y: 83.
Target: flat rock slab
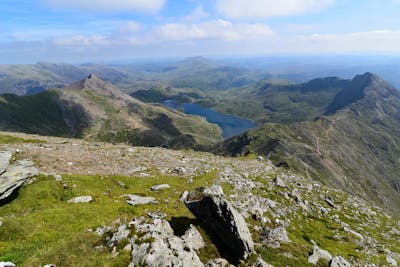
x: 16, y: 175
x: 222, y: 220
x: 160, y: 187
x: 5, y: 157
x: 139, y: 200
x: 81, y: 199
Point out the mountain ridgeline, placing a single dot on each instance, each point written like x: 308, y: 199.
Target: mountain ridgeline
x: 352, y: 140
x: 95, y: 109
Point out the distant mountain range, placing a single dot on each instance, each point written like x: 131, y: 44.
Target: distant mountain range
x: 349, y: 136
x: 95, y: 109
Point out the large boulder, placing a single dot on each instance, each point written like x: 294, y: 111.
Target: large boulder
x: 222, y: 220
x: 14, y: 175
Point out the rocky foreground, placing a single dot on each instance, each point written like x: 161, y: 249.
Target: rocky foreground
x: 99, y: 204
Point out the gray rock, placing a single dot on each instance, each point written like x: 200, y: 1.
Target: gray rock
x: 273, y: 237
x: 222, y: 220
x: 50, y: 265
x: 6, y: 264
x: 319, y: 254
x: 160, y: 187
x: 81, y: 199
x: 15, y: 176
x: 156, y: 245
x: 338, y: 261
x: 5, y: 157
x: 139, y: 200
x: 279, y: 182
x: 261, y: 263
x: 193, y: 238
x: 218, y: 262
x: 390, y: 260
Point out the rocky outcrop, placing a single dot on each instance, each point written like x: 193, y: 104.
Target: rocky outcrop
x: 154, y: 243
x: 13, y: 175
x: 222, y: 220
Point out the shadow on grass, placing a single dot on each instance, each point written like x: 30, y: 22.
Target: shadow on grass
x: 10, y: 198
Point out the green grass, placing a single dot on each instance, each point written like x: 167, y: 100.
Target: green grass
x: 8, y: 139
x: 39, y: 227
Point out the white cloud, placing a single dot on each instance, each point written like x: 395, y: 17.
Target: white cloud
x: 261, y: 9
x: 82, y: 40
x: 197, y: 14
x: 109, y: 5
x: 212, y: 30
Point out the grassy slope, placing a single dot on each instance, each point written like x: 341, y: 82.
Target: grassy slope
x: 40, y: 227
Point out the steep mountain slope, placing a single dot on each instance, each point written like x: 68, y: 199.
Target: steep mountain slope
x: 280, y: 102
x: 95, y: 109
x: 355, y: 145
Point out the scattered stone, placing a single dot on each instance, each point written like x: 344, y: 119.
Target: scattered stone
x: 261, y: 263
x: 6, y: 264
x: 330, y: 202
x: 319, y: 254
x: 273, y: 237
x: 391, y: 261
x: 160, y: 187
x: 179, y: 171
x: 222, y: 220
x: 81, y: 199
x: 156, y: 215
x: 121, y: 184
x: 50, y: 265
x: 15, y: 176
x: 139, y: 200
x: 279, y: 182
x: 338, y: 261
x: 58, y: 178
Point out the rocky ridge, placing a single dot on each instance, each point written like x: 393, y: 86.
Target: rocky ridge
x: 290, y: 217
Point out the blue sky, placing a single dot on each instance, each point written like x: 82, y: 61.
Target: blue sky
x: 105, y: 30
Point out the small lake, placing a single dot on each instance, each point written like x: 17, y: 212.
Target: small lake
x: 230, y: 125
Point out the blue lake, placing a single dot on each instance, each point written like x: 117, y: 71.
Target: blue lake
x: 230, y: 125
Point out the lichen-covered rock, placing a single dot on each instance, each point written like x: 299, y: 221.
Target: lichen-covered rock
x: 319, y: 254
x: 222, y: 220
x: 273, y: 237
x: 159, y: 187
x: 15, y: 175
x: 5, y: 157
x: 81, y: 199
x: 154, y: 244
x: 339, y: 261
x: 139, y: 200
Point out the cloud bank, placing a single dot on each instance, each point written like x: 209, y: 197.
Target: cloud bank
x: 262, y: 9
x: 149, y: 6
